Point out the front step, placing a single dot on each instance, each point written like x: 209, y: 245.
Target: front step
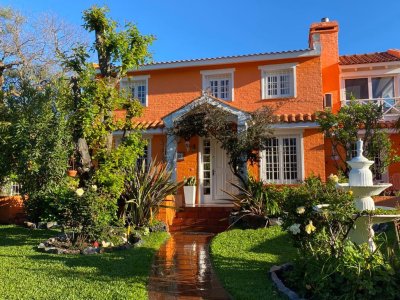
x: 201, y: 219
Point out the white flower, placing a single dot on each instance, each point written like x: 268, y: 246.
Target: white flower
x: 94, y: 188
x: 295, y: 229
x: 334, y: 178
x: 301, y: 210
x: 80, y: 192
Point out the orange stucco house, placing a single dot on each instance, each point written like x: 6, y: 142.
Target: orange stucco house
x: 296, y: 83
x: 292, y: 82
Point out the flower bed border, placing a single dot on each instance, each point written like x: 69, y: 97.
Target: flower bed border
x: 279, y: 283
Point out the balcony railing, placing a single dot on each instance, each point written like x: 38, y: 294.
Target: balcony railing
x: 390, y: 106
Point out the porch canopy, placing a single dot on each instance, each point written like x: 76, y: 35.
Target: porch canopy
x: 171, y: 155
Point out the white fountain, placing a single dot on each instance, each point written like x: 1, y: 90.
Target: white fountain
x: 360, y: 182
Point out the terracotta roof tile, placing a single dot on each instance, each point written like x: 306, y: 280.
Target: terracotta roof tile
x: 143, y: 125
x: 295, y: 118
x: 367, y: 58
x: 285, y: 118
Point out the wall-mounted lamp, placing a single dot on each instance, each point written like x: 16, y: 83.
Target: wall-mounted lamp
x: 187, y: 145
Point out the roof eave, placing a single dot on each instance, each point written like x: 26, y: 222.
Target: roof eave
x: 230, y: 60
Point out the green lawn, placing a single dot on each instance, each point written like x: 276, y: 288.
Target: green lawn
x: 242, y: 259
x: 28, y: 274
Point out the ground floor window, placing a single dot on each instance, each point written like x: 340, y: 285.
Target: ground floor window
x: 281, y: 161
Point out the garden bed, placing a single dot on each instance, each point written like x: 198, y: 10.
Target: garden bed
x: 28, y: 274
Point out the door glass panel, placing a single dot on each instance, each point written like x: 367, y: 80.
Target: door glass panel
x: 206, y: 167
x: 289, y: 159
x: 272, y: 159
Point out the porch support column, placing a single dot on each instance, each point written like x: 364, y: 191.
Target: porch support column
x: 242, y: 127
x: 171, y: 148
x: 171, y: 155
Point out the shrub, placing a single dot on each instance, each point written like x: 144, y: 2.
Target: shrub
x: 258, y: 199
x: 145, y: 190
x: 355, y: 274
x: 310, y: 206
x: 319, y: 218
x: 87, y: 210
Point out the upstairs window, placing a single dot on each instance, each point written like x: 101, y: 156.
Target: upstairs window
x: 139, y: 91
x: 370, y: 88
x: 219, y: 83
x: 137, y: 86
x: 278, y: 81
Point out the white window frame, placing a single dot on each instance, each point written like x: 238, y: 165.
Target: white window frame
x: 300, y: 160
x: 128, y: 82
x: 209, y: 73
x: 148, y: 138
x: 396, y: 83
x: 291, y: 67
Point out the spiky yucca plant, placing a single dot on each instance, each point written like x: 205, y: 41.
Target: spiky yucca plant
x: 146, y: 187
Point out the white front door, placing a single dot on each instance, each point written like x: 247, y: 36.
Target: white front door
x: 216, y: 173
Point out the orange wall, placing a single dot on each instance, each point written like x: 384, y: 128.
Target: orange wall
x: 314, y: 153
x: 327, y: 33
x: 171, y: 89
x: 395, y: 167
x: 158, y: 144
x: 10, y: 208
x: 189, y: 165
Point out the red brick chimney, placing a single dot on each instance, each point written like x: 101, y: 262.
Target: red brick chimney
x: 324, y: 36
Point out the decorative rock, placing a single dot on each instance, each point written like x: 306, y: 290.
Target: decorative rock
x: 51, y: 224
x: 159, y: 227
x: 63, y: 237
x: 90, y: 250
x: 275, y: 222
x: 42, y: 225
x: 30, y: 225
x: 54, y: 250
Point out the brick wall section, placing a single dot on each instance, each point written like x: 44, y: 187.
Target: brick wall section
x: 165, y: 214
x: 314, y: 153
x: 171, y: 89
x: 189, y: 166
x: 327, y: 33
x: 10, y: 209
x: 158, y: 144
x: 395, y: 167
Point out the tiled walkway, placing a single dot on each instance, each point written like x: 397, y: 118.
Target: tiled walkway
x: 182, y: 270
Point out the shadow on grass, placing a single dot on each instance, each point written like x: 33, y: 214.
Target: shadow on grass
x: 11, y: 235
x: 246, y: 278
x: 116, y: 265
x: 273, y: 245
x: 244, y: 270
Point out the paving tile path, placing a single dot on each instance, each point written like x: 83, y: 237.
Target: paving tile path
x: 182, y: 270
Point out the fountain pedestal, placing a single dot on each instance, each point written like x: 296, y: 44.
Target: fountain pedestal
x: 361, y: 184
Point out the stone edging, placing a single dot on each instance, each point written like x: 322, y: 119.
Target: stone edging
x: 278, y: 282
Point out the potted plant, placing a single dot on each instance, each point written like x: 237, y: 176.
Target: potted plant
x: 72, y: 172
x: 189, y: 190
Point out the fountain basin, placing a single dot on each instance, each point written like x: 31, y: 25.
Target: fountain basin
x: 363, y: 232
x: 364, y: 191
x: 362, y: 194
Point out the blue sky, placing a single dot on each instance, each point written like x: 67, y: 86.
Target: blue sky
x: 208, y: 28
